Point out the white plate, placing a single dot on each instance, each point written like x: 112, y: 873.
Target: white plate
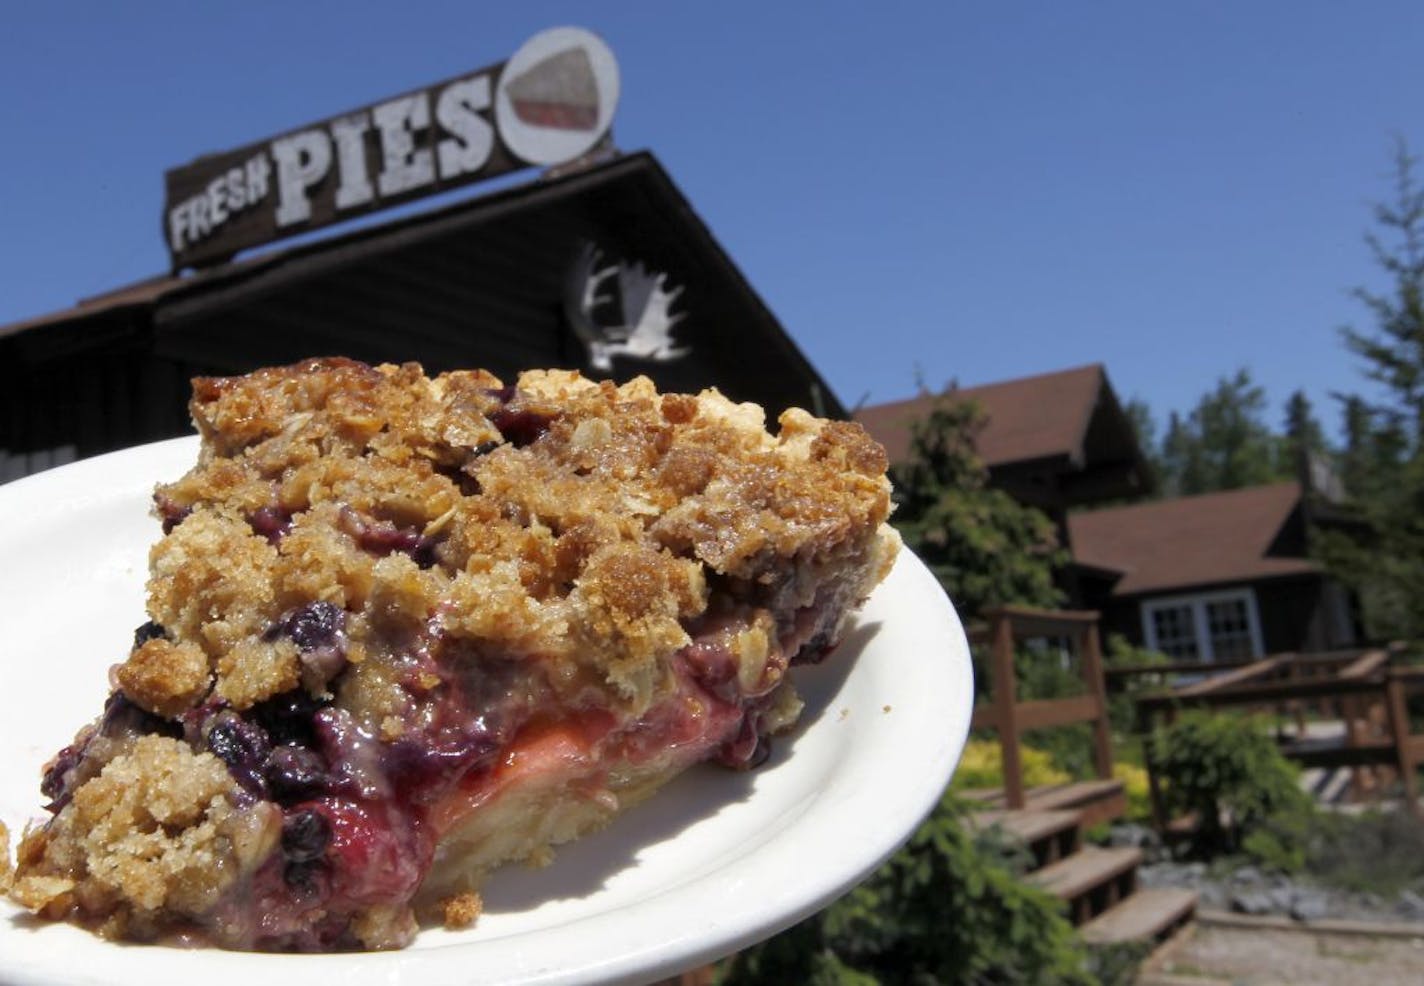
x: 715, y: 862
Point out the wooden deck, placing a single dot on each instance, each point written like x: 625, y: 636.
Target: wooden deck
x: 1364, y: 688
x: 1009, y: 717
x: 1098, y: 886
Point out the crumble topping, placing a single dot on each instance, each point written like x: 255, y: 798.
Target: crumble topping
x: 462, y: 910
x: 165, y: 678
x: 159, y: 826
x: 5, y: 865
x: 403, y: 629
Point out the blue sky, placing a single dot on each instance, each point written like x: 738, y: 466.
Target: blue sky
x: 969, y: 191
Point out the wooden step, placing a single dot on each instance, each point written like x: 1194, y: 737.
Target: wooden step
x: 1027, y: 826
x: 984, y: 795
x: 1091, y: 880
x: 1098, y: 800
x: 1147, y: 915
x: 1049, y: 835
x: 1085, y: 870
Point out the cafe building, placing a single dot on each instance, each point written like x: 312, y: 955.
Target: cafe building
x: 572, y: 254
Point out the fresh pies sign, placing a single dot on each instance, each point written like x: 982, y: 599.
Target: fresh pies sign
x: 552, y: 102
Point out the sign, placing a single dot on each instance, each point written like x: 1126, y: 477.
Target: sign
x: 616, y: 308
x: 551, y: 103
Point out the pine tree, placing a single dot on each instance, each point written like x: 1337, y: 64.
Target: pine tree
x: 1144, y: 427
x: 1303, y: 439
x: 1381, y: 554
x: 1394, y: 351
x: 985, y: 548
x: 1224, y: 444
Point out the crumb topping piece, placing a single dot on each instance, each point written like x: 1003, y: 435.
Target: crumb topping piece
x: 159, y: 826
x: 462, y: 910
x: 5, y: 865
x: 165, y: 678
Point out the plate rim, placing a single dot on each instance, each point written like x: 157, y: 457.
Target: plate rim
x: 142, y: 466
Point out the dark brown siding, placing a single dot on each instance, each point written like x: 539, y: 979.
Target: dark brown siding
x: 1293, y: 613
x: 82, y: 389
x: 1125, y: 618
x: 478, y: 284
x: 1293, y: 616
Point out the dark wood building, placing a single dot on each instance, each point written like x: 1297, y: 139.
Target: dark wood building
x: 1220, y: 576
x: 1214, y: 577
x: 1055, y: 441
x: 605, y: 269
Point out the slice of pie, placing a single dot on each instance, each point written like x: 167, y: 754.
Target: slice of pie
x: 559, y: 92
x: 401, y: 630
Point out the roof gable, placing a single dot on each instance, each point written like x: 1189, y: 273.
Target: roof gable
x: 1028, y: 418
x: 1214, y: 538
x: 1067, y: 423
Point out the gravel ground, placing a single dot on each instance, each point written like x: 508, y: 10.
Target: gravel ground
x: 1249, y: 890
x: 1303, y: 955
x: 1264, y: 957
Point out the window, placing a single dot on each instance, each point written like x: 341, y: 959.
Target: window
x: 1216, y: 626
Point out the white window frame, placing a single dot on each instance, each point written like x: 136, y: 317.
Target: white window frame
x: 1198, y: 602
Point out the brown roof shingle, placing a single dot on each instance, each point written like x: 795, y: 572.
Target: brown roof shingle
x: 1191, y: 541
x: 1028, y: 418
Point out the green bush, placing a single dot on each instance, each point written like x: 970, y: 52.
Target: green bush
x: 1213, y: 765
x: 981, y: 765
x: 1122, y: 704
x: 1043, y: 671
x: 948, y: 908
x: 1381, y: 851
x: 985, y: 548
x: 1282, y: 842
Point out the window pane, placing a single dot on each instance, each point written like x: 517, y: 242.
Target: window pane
x: 1175, y: 631
x: 1229, y: 624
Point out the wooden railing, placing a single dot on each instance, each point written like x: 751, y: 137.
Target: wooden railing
x: 1010, y: 718
x: 1359, y: 686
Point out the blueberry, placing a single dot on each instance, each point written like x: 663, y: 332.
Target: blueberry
x: 287, y: 717
x: 315, y: 625
x: 272, y: 523
x: 424, y: 552
x: 295, y: 772
x: 170, y: 512
x: 305, y: 836
x: 244, y: 747
x: 148, y: 631
x: 53, y: 786
x: 519, y: 427
x: 381, y: 537
x: 309, y: 879
x: 123, y: 719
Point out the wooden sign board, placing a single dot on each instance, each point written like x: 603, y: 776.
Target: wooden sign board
x: 551, y: 103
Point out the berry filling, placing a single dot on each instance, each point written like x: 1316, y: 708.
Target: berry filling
x: 361, y: 813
